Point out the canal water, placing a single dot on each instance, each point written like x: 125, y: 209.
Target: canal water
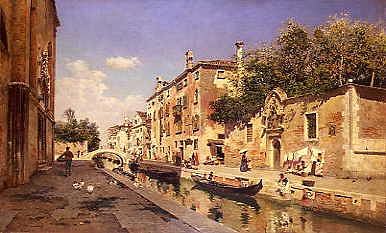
x: 257, y: 214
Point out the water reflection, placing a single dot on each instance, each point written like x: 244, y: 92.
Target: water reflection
x: 253, y: 215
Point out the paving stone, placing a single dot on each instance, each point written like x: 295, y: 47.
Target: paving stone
x: 5, y: 218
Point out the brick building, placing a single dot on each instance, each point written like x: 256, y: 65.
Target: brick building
x: 139, y: 138
x: 27, y: 71
x: 179, y: 111
x: 345, y: 129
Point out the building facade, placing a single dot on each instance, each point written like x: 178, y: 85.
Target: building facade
x: 179, y: 111
x: 27, y: 88
x: 343, y: 129
x: 118, y: 136
x: 139, y: 139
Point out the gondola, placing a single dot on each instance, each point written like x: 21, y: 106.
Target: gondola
x: 224, y: 189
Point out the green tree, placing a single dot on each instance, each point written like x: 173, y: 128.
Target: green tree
x: 77, y: 131
x: 303, y: 61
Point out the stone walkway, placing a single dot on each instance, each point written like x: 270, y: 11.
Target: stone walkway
x: 374, y: 186
x: 49, y: 203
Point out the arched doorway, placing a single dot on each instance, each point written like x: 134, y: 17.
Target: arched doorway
x: 276, y: 153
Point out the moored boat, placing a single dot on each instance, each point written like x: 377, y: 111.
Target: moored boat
x: 224, y: 189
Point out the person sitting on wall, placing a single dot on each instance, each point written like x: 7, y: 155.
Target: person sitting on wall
x: 284, y: 186
x: 319, y: 168
x: 208, y: 161
x: 244, y: 161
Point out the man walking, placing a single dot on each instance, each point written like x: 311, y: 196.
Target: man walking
x: 68, y: 155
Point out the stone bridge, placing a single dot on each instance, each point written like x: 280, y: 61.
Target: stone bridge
x: 121, y: 156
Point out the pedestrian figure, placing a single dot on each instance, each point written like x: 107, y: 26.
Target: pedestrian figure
x: 68, y: 155
x: 244, y: 161
x: 78, y: 154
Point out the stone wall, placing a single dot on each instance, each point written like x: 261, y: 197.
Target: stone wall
x: 237, y: 140
x: 368, y: 154
x: 330, y: 113
x: 350, y: 132
x: 60, y: 147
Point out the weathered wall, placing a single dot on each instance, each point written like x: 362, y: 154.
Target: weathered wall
x: 166, y: 146
x: 5, y: 77
x: 31, y: 27
x: 60, y: 147
x: 350, y: 110
x: 210, y: 88
x: 368, y: 154
x: 237, y: 140
x: 330, y: 111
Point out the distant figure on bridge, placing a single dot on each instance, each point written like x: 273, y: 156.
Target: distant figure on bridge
x: 68, y: 155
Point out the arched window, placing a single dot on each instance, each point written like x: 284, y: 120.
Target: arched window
x: 3, y: 31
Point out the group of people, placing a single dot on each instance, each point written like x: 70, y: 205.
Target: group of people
x: 301, y: 167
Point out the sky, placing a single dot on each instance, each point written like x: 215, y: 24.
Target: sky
x: 110, y: 51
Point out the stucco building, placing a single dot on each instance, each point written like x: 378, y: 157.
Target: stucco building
x: 118, y: 136
x: 179, y: 111
x: 139, y: 139
x: 344, y: 128
x: 27, y: 87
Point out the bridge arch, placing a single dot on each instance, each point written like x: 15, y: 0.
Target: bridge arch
x: 122, y: 156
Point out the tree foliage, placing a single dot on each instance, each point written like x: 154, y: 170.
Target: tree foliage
x: 73, y: 130
x: 303, y: 61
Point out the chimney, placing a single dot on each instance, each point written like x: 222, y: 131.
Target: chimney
x: 189, y: 59
x: 239, y: 51
x: 159, y: 83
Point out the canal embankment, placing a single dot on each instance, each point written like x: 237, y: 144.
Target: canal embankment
x: 356, y: 199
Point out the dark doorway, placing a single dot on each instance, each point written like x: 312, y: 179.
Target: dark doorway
x: 220, y: 154
x: 276, y: 153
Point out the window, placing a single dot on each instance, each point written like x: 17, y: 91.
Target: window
x: 179, y: 86
x: 220, y: 74
x: 311, y: 125
x: 196, y: 75
x: 196, y: 96
x: 178, y: 126
x: 185, y: 101
x: 196, y: 122
x: 3, y: 31
x: 160, y: 114
x: 221, y: 136
x: 249, y: 132
x: 167, y: 129
x: 167, y: 107
x: 331, y: 129
x: 195, y: 144
x: 185, y: 82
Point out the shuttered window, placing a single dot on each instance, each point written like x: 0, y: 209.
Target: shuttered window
x: 3, y: 31
x: 249, y: 132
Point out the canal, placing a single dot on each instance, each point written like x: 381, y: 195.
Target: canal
x: 258, y: 214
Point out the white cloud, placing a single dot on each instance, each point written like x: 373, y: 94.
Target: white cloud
x: 123, y: 63
x: 84, y: 91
